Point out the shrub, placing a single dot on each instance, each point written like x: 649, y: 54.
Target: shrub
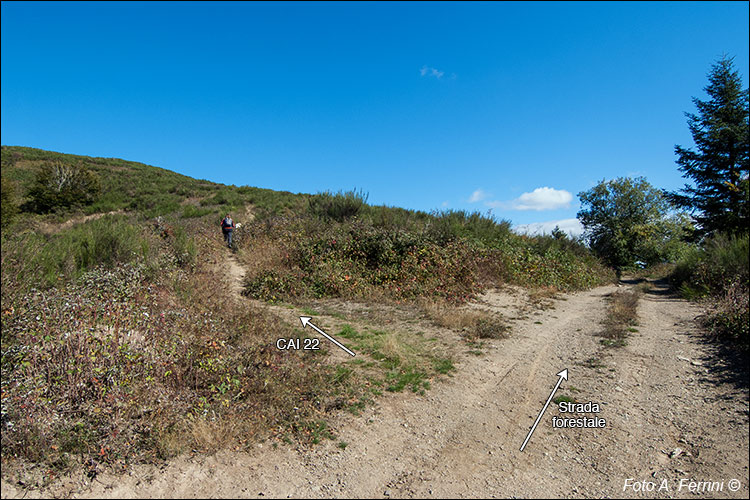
x: 339, y: 206
x: 450, y: 225
x: 708, y: 270
x: 61, y: 185
x: 729, y: 317
x: 392, y: 218
x: 114, y: 369
x: 719, y: 272
x: 184, y: 247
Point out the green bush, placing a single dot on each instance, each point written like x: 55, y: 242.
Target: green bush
x: 475, y: 227
x: 62, y: 185
x: 684, y: 278
x: 709, y: 269
x: 719, y: 271
x: 339, y: 206
x: 392, y: 218
x: 184, y: 248
x: 729, y: 317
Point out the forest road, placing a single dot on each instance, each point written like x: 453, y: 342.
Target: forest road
x: 674, y: 413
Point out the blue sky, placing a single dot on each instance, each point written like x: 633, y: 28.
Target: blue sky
x: 514, y: 107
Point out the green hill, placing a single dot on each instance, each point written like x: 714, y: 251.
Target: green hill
x: 153, y: 191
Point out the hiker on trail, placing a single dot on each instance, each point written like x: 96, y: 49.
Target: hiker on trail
x: 227, y: 226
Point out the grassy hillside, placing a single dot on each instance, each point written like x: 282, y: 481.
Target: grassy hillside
x: 122, y: 340
x: 152, y: 191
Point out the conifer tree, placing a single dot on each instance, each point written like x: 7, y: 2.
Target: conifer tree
x: 718, y: 168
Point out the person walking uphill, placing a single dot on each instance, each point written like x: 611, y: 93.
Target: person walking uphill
x: 227, y: 226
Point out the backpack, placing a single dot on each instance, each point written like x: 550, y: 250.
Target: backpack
x: 228, y: 222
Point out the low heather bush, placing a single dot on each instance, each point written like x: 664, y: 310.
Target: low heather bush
x: 728, y: 314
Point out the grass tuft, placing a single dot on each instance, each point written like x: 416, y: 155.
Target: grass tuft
x: 621, y: 317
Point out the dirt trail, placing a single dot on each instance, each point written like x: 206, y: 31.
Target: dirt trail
x: 661, y: 392
x: 51, y: 228
x: 236, y: 275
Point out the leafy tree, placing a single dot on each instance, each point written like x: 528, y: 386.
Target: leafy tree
x: 719, y: 166
x: 60, y: 185
x: 628, y: 220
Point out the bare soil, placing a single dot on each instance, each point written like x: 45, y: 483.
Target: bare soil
x: 675, y: 404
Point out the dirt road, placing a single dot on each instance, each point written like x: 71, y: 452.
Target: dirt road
x: 672, y: 413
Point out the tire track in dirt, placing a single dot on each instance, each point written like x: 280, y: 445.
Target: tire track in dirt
x: 683, y: 407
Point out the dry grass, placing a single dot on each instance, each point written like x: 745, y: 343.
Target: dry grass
x: 541, y: 297
x: 211, y: 435
x: 727, y: 314
x: 261, y: 254
x: 472, y: 322
x: 394, y: 347
x: 621, y: 314
x: 622, y: 307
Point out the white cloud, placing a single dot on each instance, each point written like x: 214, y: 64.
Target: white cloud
x: 429, y: 71
x: 477, y: 195
x: 543, y: 198
x: 444, y: 204
x: 571, y: 226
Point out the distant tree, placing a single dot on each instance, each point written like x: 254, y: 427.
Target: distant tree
x: 718, y: 168
x: 628, y: 220
x: 60, y: 185
x: 559, y: 234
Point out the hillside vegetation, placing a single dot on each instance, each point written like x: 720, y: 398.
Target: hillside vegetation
x: 717, y: 273
x: 122, y: 340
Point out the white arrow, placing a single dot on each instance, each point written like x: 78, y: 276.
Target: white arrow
x: 563, y: 375
x: 306, y: 321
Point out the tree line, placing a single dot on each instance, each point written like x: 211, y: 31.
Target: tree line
x: 628, y: 222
